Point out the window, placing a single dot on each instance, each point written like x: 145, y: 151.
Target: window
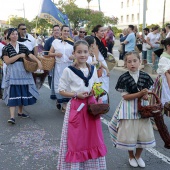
x: 121, y: 4
x: 127, y: 18
x: 132, y: 17
x: 127, y: 3
x: 137, y: 16
x: 121, y: 18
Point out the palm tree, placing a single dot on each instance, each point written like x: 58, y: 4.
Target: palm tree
x: 88, y: 1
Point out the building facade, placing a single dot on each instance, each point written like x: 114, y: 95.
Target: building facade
x: 131, y: 12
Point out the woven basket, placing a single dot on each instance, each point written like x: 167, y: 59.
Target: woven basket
x: 47, y: 62
x: 150, y: 110
x: 30, y: 65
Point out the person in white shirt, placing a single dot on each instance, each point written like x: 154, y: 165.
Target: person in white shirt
x: 144, y: 49
x: 152, y: 39
x: 27, y: 39
x: 62, y: 50
x: 167, y: 30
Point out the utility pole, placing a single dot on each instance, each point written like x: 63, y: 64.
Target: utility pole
x: 24, y: 11
x: 163, y: 22
x: 144, y: 13
x: 99, y: 5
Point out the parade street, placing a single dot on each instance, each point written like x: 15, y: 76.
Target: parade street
x: 33, y: 143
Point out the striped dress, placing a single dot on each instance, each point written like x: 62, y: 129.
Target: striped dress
x: 19, y: 88
x: 128, y: 119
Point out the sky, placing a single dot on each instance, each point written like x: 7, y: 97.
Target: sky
x: 32, y: 7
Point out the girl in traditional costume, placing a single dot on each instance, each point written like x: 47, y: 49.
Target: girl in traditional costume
x: 19, y: 88
x: 82, y: 146
x: 127, y: 129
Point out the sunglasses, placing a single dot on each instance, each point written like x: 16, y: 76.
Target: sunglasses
x: 23, y: 28
x: 66, y: 31
x: 82, y: 32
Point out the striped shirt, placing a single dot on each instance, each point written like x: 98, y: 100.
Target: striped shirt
x: 10, y: 51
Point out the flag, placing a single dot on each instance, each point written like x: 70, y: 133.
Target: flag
x: 50, y: 12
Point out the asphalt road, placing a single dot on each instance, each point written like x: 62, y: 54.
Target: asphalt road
x: 33, y: 143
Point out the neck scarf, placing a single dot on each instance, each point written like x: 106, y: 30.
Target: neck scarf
x: 68, y: 40
x: 101, y: 47
x: 80, y: 74
x: 23, y: 39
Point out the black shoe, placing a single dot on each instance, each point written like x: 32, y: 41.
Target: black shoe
x: 23, y: 115
x: 11, y: 120
x: 58, y: 105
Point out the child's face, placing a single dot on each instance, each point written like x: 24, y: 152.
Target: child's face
x: 81, y: 53
x: 132, y: 63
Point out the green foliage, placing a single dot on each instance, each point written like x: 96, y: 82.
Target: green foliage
x: 42, y: 25
x: 15, y: 21
x: 85, y: 17
x: 116, y: 31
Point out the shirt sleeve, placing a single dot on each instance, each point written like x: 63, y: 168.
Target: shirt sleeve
x: 128, y: 39
x: 163, y: 65
x: 64, y: 81
x: 4, y: 52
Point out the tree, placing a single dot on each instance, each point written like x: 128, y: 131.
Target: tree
x: 42, y: 25
x: 88, y: 1
x: 15, y: 21
x: 85, y: 17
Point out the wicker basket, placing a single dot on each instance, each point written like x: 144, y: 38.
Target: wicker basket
x: 30, y: 65
x: 150, y: 110
x: 47, y: 62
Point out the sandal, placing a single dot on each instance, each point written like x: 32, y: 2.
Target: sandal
x: 63, y: 109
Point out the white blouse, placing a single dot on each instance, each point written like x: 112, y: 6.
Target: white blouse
x: 70, y: 82
x: 163, y: 65
x: 62, y: 47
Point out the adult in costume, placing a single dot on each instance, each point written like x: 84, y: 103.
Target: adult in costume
x: 62, y: 50
x: 19, y: 88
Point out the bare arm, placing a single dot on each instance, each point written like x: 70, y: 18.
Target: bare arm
x: 36, y: 60
x: 135, y: 95
x: 168, y: 78
x: 96, y: 52
x: 72, y: 94
x: 9, y: 60
x: 148, y: 41
x: 36, y: 51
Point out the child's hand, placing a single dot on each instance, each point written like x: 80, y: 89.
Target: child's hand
x: 145, y: 97
x: 82, y: 95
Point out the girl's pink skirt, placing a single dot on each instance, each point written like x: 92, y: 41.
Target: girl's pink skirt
x: 82, y: 145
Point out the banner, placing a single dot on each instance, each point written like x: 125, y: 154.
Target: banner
x: 51, y: 13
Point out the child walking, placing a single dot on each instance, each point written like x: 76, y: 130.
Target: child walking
x: 127, y: 129
x: 82, y: 146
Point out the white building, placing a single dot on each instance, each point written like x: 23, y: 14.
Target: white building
x: 131, y: 12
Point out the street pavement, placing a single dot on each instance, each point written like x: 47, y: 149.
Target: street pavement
x: 33, y: 143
